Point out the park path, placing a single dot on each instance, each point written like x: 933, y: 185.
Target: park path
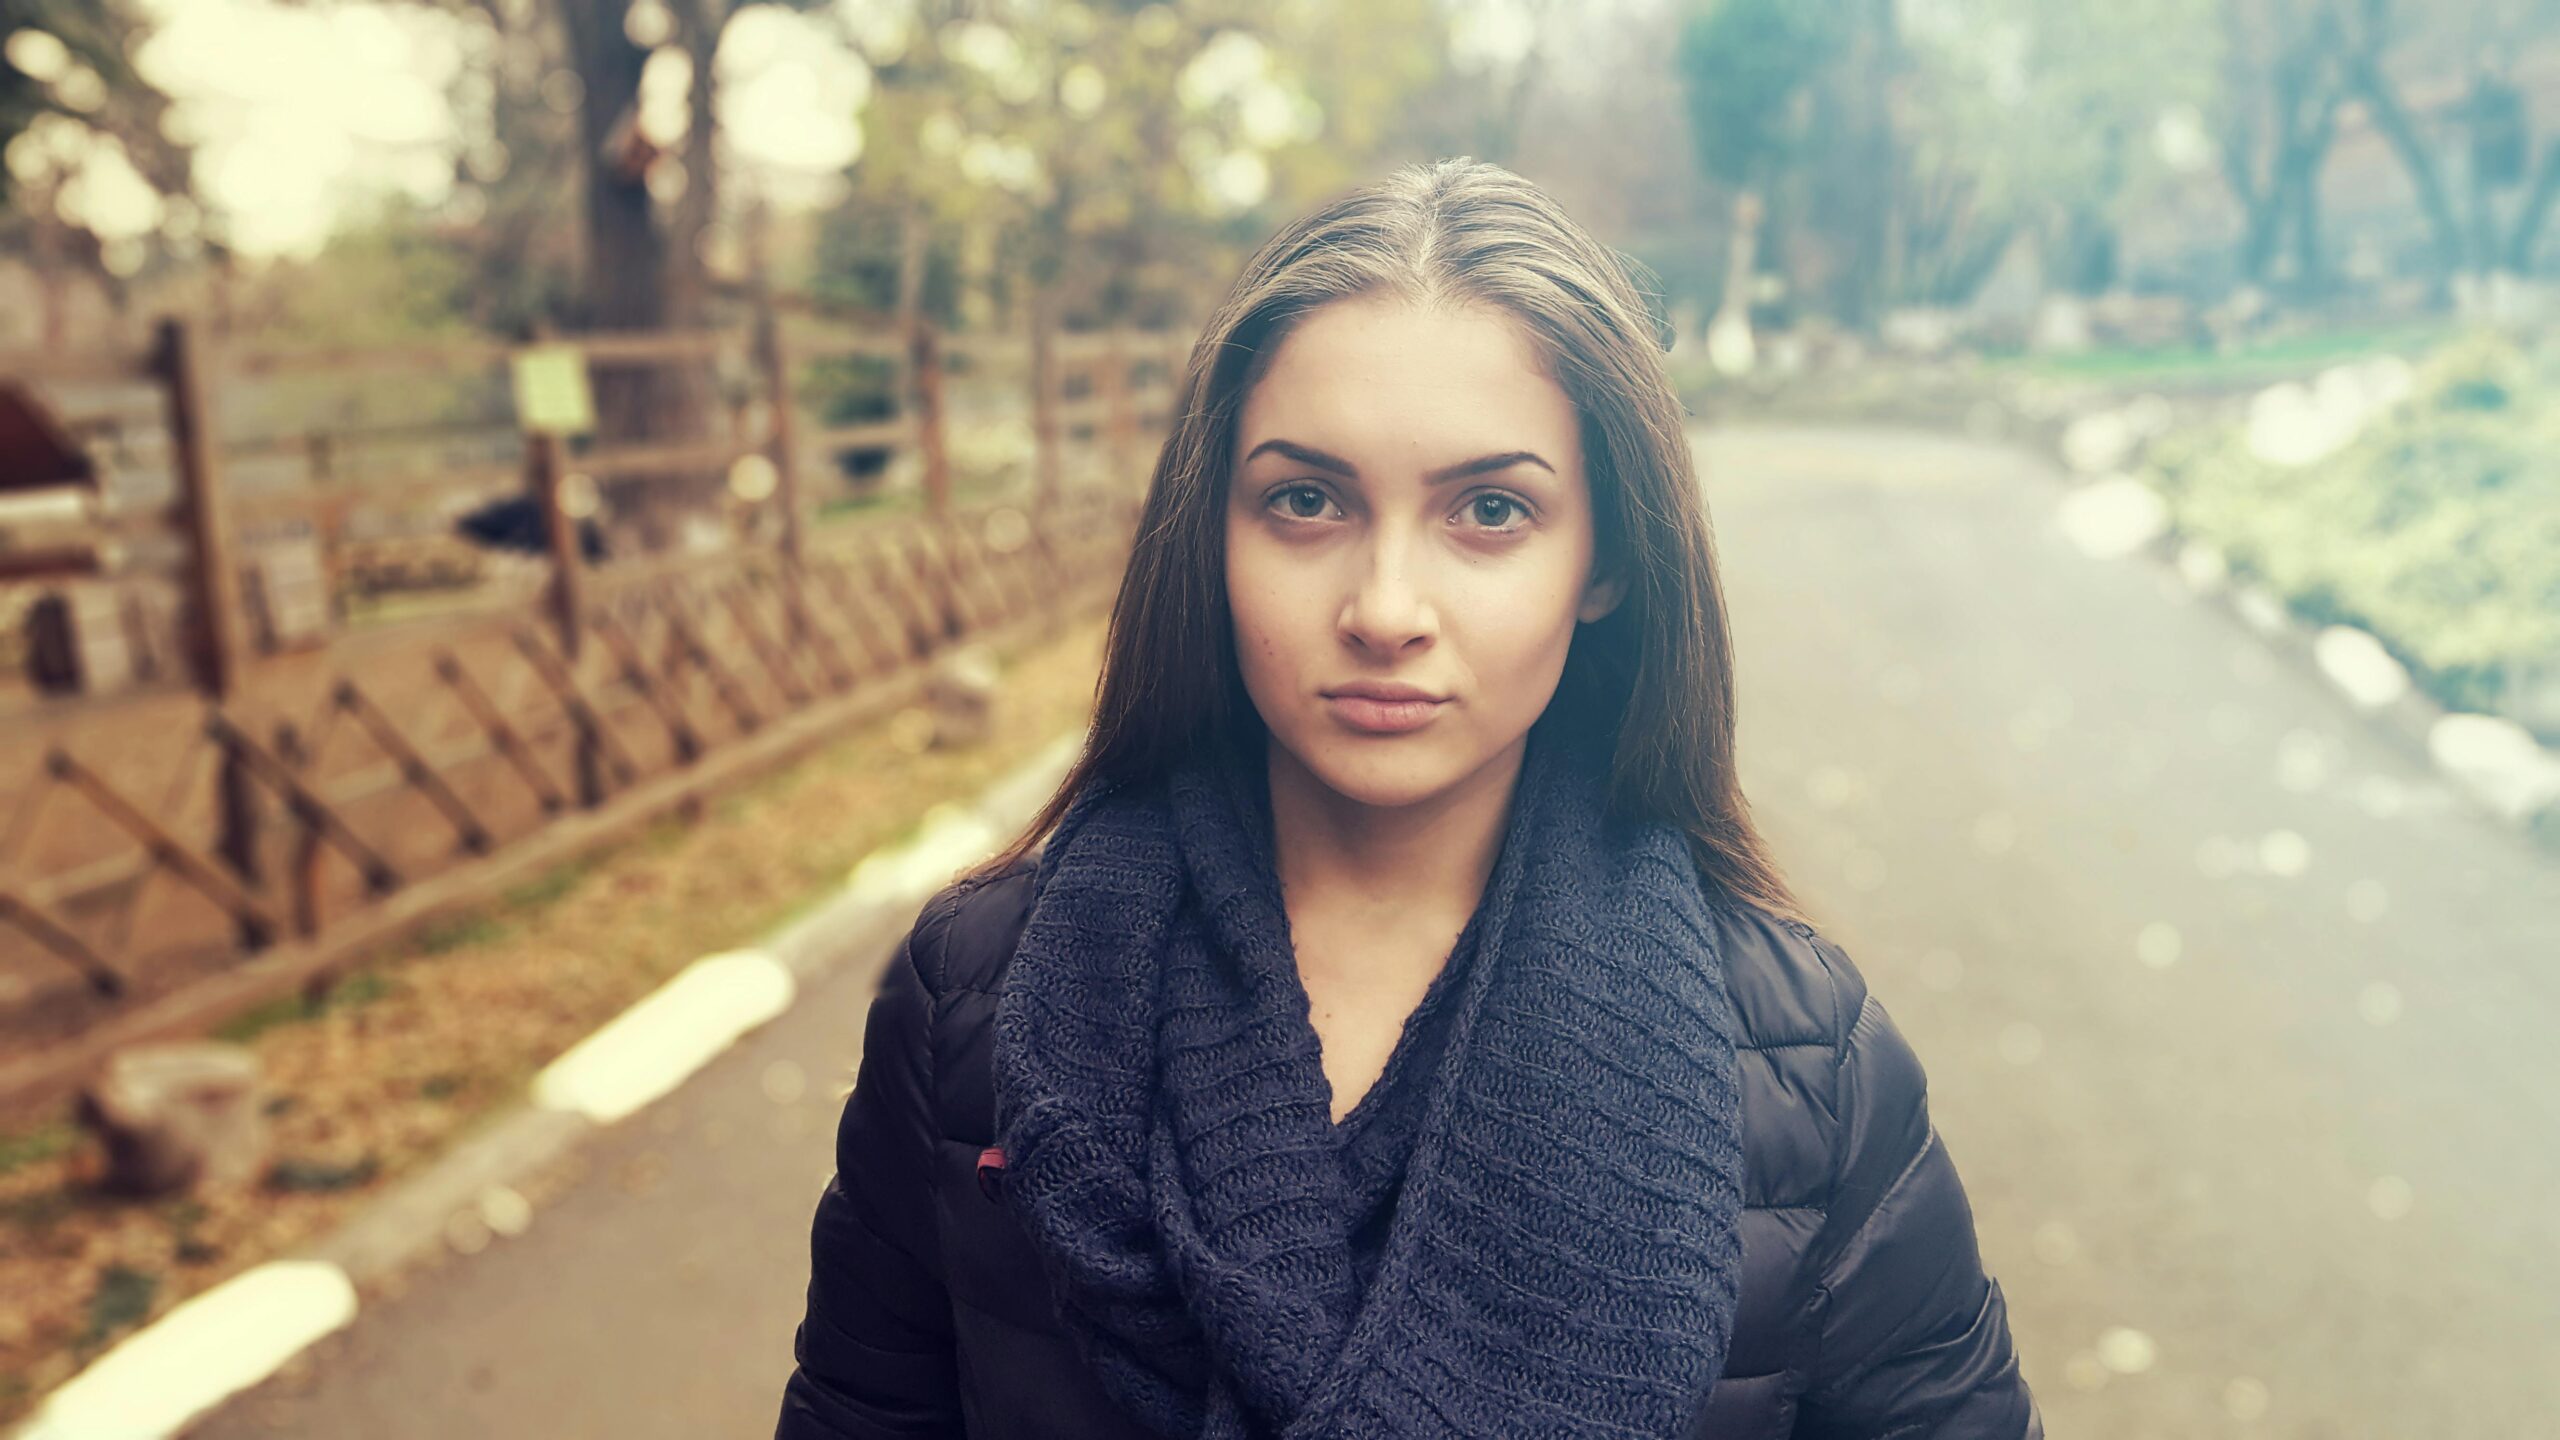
x: 2238, y: 1023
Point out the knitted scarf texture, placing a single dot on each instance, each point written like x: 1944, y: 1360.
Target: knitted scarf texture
x: 1564, y: 1254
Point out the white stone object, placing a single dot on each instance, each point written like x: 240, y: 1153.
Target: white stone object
x: 960, y: 693
x: 178, y: 1116
x: 2112, y: 518
x: 2100, y: 441
x: 2498, y: 760
x: 2356, y: 663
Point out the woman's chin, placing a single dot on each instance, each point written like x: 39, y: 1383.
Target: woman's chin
x: 1383, y: 772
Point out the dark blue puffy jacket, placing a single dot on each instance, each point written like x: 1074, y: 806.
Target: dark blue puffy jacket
x: 1865, y: 1310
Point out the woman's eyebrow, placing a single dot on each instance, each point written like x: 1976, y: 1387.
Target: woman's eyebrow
x: 1481, y: 465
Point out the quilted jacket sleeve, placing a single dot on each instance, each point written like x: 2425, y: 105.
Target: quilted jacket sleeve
x: 1915, y: 1336
x: 874, y: 1350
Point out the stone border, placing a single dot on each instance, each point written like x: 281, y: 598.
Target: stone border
x: 2495, y: 761
x: 216, y: 1344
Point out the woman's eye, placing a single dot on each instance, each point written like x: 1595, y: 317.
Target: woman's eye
x: 1292, y: 496
x: 1500, y: 505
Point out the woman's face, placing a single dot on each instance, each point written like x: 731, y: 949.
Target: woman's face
x: 1408, y: 507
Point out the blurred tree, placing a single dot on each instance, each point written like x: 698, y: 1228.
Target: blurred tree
x: 1120, y: 157
x: 1508, y: 46
x: 1748, y: 65
x: 2490, y: 124
x: 2039, y: 117
x: 1081, y: 166
x: 386, y: 276
x: 2282, y: 82
x: 517, y: 102
x: 1853, y: 191
x: 76, y: 114
x: 391, y: 275
x: 650, y: 201
x: 1749, y: 68
x: 1610, y: 140
x: 74, y: 59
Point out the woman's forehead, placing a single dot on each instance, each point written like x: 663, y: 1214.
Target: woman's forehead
x: 1400, y: 385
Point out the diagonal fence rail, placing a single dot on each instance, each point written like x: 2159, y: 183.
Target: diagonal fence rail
x: 174, y: 855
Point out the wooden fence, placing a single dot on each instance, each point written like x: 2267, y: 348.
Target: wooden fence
x: 174, y: 855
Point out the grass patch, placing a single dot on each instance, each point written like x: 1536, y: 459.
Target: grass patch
x: 294, y: 1173
x: 121, y: 1301
x: 251, y: 1023
x: 44, y: 1143
x: 350, y: 992
x: 550, y: 885
x: 879, y: 502
x: 39, y: 1211
x: 455, y: 932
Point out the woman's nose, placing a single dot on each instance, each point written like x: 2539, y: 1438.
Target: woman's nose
x: 1387, y: 608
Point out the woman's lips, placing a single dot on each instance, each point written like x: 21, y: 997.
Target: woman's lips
x: 1383, y: 717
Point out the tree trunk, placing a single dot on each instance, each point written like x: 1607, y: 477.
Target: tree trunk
x: 689, y: 226
x: 2364, y: 77
x: 1729, y: 344
x: 689, y: 390
x: 2257, y: 207
x: 626, y: 284
x: 2301, y: 186
x: 2526, y: 237
x: 1876, y: 54
x: 2303, y: 99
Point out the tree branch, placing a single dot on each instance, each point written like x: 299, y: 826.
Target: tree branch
x: 2366, y: 80
x: 2527, y: 235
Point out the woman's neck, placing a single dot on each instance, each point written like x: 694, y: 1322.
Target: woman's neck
x: 1407, y: 872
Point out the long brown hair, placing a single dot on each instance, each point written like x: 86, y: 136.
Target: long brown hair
x: 1653, y: 678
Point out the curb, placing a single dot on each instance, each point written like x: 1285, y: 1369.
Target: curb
x: 2494, y: 761
x: 180, y: 1367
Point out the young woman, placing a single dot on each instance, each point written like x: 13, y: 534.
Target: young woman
x: 1394, y: 1025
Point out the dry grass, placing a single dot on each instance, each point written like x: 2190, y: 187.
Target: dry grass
x: 408, y: 1053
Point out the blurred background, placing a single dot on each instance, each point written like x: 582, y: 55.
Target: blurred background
x: 504, y: 502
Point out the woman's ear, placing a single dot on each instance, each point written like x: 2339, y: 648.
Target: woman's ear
x: 1601, y: 597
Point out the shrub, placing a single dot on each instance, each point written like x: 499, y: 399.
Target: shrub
x: 2437, y: 529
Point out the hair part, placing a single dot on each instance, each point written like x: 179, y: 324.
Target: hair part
x: 1651, y: 684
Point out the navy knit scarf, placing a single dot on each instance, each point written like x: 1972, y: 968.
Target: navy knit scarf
x: 1564, y: 1256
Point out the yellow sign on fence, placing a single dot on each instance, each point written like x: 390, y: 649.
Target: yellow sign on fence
x: 551, y: 390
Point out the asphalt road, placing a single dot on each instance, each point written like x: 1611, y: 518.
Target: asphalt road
x: 2239, y: 1023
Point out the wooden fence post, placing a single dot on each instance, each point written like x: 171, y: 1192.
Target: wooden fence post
x: 187, y: 374
x: 568, y: 595
x: 774, y: 356
x: 304, y: 877
x: 214, y: 582
x: 547, y: 478
x: 568, y: 602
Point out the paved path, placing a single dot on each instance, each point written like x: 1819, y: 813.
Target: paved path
x: 2239, y: 1025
